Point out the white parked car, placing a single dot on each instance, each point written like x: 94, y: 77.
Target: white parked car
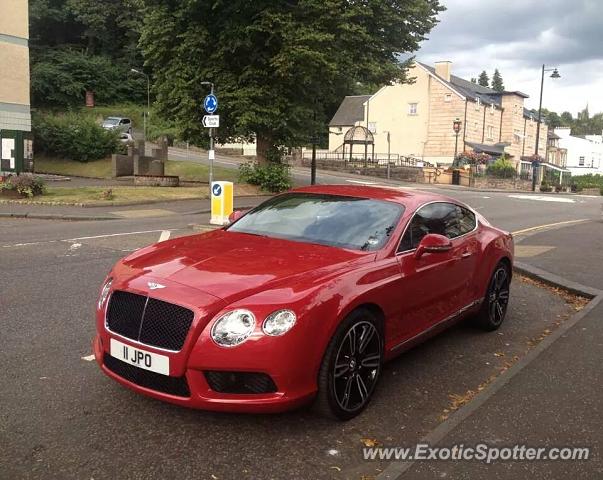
x: 120, y: 124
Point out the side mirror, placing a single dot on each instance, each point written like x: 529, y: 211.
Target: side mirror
x: 235, y: 215
x: 433, y: 243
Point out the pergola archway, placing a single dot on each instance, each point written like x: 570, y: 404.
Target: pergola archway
x: 359, y: 135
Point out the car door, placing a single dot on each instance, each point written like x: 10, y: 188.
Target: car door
x: 433, y: 286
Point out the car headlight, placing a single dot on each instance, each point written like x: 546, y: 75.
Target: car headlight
x: 104, y: 292
x: 279, y: 322
x: 233, y: 328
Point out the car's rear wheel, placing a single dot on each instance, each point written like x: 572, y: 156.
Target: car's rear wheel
x: 494, y: 306
x: 351, y: 367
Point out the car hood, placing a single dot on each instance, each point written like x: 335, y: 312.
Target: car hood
x: 232, y: 266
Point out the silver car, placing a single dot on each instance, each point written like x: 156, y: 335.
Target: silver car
x: 119, y: 124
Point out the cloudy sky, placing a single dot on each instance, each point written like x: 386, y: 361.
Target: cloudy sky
x: 517, y: 37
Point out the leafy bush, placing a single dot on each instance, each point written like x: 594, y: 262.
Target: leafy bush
x: 25, y: 185
x: 73, y: 136
x: 545, y: 187
x: 502, y: 168
x: 272, y: 177
x: 581, y: 182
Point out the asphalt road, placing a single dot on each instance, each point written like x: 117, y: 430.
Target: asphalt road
x: 61, y: 418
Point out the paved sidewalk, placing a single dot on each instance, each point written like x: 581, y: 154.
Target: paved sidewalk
x: 554, y: 399
x: 162, y: 209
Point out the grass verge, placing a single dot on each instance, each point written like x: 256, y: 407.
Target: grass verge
x: 187, y: 171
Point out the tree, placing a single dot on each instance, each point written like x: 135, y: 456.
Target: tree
x: 553, y: 120
x: 84, y: 44
x: 483, y: 79
x: 473, y: 80
x: 497, y: 81
x: 566, y: 119
x: 279, y: 67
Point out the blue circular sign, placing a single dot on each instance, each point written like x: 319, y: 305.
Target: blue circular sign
x: 210, y: 103
x: 216, y: 190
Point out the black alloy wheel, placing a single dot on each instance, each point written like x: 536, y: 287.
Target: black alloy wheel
x: 494, y: 307
x: 351, y: 367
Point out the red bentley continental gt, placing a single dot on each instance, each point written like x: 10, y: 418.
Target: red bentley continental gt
x: 301, y: 298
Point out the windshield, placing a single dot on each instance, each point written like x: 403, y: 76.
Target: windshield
x: 111, y: 121
x: 346, y: 222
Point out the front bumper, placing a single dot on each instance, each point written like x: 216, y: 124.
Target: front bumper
x: 292, y: 390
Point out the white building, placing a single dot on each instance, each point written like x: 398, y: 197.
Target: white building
x: 584, y: 152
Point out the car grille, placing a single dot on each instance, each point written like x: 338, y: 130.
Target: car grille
x: 176, y: 386
x: 240, y: 382
x: 148, y: 320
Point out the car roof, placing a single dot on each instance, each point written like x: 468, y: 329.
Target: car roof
x: 406, y: 197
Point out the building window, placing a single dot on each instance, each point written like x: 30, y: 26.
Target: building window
x: 492, y: 109
x: 448, y: 97
x: 475, y: 126
x: 477, y: 103
x: 412, y: 108
x: 516, y: 136
x: 490, y: 132
x: 581, y: 161
x: 372, y: 126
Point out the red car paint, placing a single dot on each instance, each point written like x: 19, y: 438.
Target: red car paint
x: 215, y: 272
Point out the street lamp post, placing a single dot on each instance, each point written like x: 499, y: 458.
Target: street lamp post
x: 140, y: 72
x: 535, y: 163
x: 211, y: 139
x: 456, y: 126
x: 388, y: 153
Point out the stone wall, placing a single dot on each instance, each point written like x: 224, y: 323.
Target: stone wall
x: 501, y: 183
x: 122, y: 165
x: 409, y: 174
x: 156, y: 180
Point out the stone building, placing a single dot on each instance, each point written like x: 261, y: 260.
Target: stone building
x: 15, y: 117
x: 419, y: 118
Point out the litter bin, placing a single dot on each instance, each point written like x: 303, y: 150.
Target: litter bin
x: 456, y: 177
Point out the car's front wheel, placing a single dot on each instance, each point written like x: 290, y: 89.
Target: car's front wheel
x: 351, y: 366
x: 494, y: 306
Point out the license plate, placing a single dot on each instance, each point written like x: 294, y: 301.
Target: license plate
x: 140, y: 358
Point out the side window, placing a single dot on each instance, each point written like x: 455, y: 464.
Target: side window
x: 442, y: 218
x: 466, y: 221
x: 125, y: 121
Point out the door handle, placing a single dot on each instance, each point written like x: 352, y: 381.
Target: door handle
x: 466, y: 254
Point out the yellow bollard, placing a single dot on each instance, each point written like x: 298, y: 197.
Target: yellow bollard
x: 221, y: 202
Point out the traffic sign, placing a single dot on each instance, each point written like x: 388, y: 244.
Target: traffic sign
x: 210, y: 103
x: 211, y: 121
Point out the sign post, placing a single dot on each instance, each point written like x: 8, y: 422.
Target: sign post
x: 210, y: 104
x: 221, y: 202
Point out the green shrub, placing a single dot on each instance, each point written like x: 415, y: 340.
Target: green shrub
x: 502, y: 168
x: 272, y: 177
x: 545, y: 187
x: 25, y: 185
x: 73, y: 136
x: 581, y: 182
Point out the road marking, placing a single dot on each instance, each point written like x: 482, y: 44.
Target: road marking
x: 109, y: 235
x: 72, y: 240
x: 548, y: 225
x: 88, y: 358
x: 528, y: 251
x: 543, y: 198
x: 362, y: 182
x: 486, y: 197
x: 74, y: 246
x: 165, y: 235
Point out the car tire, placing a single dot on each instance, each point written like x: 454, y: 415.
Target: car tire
x: 351, y: 367
x: 495, y: 303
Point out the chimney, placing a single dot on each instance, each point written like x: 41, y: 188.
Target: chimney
x: 443, y: 69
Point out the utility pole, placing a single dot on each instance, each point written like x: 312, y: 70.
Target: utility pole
x: 313, y: 164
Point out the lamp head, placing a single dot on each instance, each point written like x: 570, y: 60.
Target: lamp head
x: 555, y: 74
